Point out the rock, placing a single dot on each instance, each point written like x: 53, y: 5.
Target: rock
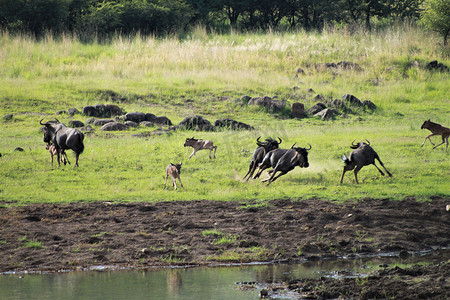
x: 101, y: 122
x: 112, y: 110
x: 299, y: 71
x: 162, y: 121
x: 316, y: 108
x: 90, y: 121
x: 348, y: 65
x: 326, y: 114
x: 137, y: 117
x: 75, y: 124
x: 337, y: 103
x: 114, y: 126
x: 131, y: 124
x: 100, y: 110
x: 87, y: 128
x: 435, y: 65
x: 298, y: 110
x: 8, y: 117
x: 369, y: 104
x: 90, y: 111
x: 196, y: 122
x: 319, y: 97
x: 267, y: 102
x: 60, y: 112
x: 232, y: 124
x: 145, y: 123
x: 351, y: 100
x: 72, y: 111
x: 149, y: 117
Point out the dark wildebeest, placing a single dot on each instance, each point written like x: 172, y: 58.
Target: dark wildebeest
x: 199, y: 144
x: 63, y: 138
x: 52, y: 149
x: 296, y: 156
x: 436, y: 129
x: 174, y: 170
x: 259, y: 153
x: 363, y: 155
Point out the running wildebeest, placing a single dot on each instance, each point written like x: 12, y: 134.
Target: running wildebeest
x: 259, y: 153
x: 199, y: 144
x: 52, y: 149
x: 436, y: 129
x: 63, y: 138
x: 174, y: 170
x: 296, y: 156
x: 363, y: 155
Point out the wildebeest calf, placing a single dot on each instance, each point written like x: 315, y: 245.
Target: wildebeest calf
x: 53, y: 151
x: 199, y: 144
x: 174, y: 170
x: 363, y: 155
x: 436, y: 129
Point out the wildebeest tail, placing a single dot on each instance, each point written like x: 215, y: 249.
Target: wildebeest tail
x: 345, y: 159
x: 80, y: 145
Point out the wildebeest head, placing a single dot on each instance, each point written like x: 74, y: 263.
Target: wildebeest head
x: 269, y: 145
x: 360, y: 144
x: 189, y: 142
x: 49, y: 130
x: 303, y: 160
x: 426, y: 124
x: 178, y: 166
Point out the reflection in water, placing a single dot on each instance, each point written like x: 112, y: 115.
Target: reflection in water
x: 183, y: 283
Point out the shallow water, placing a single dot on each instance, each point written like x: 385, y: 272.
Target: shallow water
x: 226, y: 282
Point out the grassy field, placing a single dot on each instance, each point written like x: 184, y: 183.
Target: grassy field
x: 203, y: 74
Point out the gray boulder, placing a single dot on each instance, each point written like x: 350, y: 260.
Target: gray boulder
x: 316, y: 108
x: 267, y: 102
x: 75, y: 124
x: 351, y: 100
x: 145, y: 123
x: 196, y: 122
x: 101, y: 122
x: 72, y: 111
x: 150, y: 117
x: 112, y: 110
x: 136, y: 117
x: 232, y: 124
x: 162, y: 121
x: 326, y: 114
x: 369, y: 104
x: 8, y: 117
x: 114, y: 126
x: 131, y: 124
x: 90, y: 111
x: 298, y: 110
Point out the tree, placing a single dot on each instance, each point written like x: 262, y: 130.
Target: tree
x: 436, y: 16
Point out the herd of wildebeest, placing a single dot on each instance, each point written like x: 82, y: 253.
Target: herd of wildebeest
x: 59, y: 138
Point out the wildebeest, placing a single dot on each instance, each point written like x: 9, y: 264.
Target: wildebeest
x: 174, y: 171
x: 436, y: 129
x: 363, y: 155
x: 52, y: 149
x: 199, y: 144
x: 283, y: 160
x: 259, y: 153
x: 63, y: 138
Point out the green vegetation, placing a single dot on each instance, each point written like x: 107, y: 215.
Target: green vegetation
x: 30, y: 243
x: 203, y: 75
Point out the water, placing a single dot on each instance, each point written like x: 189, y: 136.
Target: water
x: 235, y: 282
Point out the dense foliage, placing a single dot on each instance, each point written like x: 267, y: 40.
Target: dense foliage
x: 105, y: 17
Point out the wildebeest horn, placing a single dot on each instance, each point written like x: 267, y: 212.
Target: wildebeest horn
x: 40, y: 122
x: 258, y: 139
x: 368, y: 143
x: 353, y: 143
x: 293, y: 146
x: 310, y: 147
x: 57, y: 120
x: 280, y: 140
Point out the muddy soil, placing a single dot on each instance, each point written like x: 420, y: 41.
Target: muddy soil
x: 52, y: 237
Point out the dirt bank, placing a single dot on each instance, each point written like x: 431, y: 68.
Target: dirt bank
x: 72, y: 236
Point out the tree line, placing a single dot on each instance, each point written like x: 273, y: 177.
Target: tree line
x: 159, y: 17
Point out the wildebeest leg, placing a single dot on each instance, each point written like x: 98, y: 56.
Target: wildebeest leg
x: 64, y: 157
x: 443, y: 141
x: 193, y: 152
x: 210, y: 150
x: 174, y: 183
x: 179, y: 179
x: 356, y: 173
x: 215, y: 148
x: 76, y: 159
x: 378, y: 169
x: 381, y: 163
x: 428, y: 137
x: 275, y: 177
x: 343, y: 173
x: 251, y: 170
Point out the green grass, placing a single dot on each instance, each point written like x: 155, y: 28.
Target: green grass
x: 160, y: 75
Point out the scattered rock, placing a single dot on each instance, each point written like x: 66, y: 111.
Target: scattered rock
x: 131, y: 124
x: 369, y: 104
x: 149, y: 117
x: 435, y: 65
x: 114, y: 126
x: 232, y: 124
x: 337, y: 103
x: 137, y: 117
x: 144, y: 123
x: 101, y: 122
x: 72, y: 111
x: 113, y: 110
x: 196, y: 122
x: 89, y: 111
x: 326, y: 114
x: 351, y: 100
x: 75, y: 124
x: 298, y: 110
x: 316, y: 108
x: 267, y: 102
x: 162, y: 121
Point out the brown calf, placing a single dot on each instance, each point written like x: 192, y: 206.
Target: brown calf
x: 174, y: 171
x: 52, y: 149
x: 436, y: 129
